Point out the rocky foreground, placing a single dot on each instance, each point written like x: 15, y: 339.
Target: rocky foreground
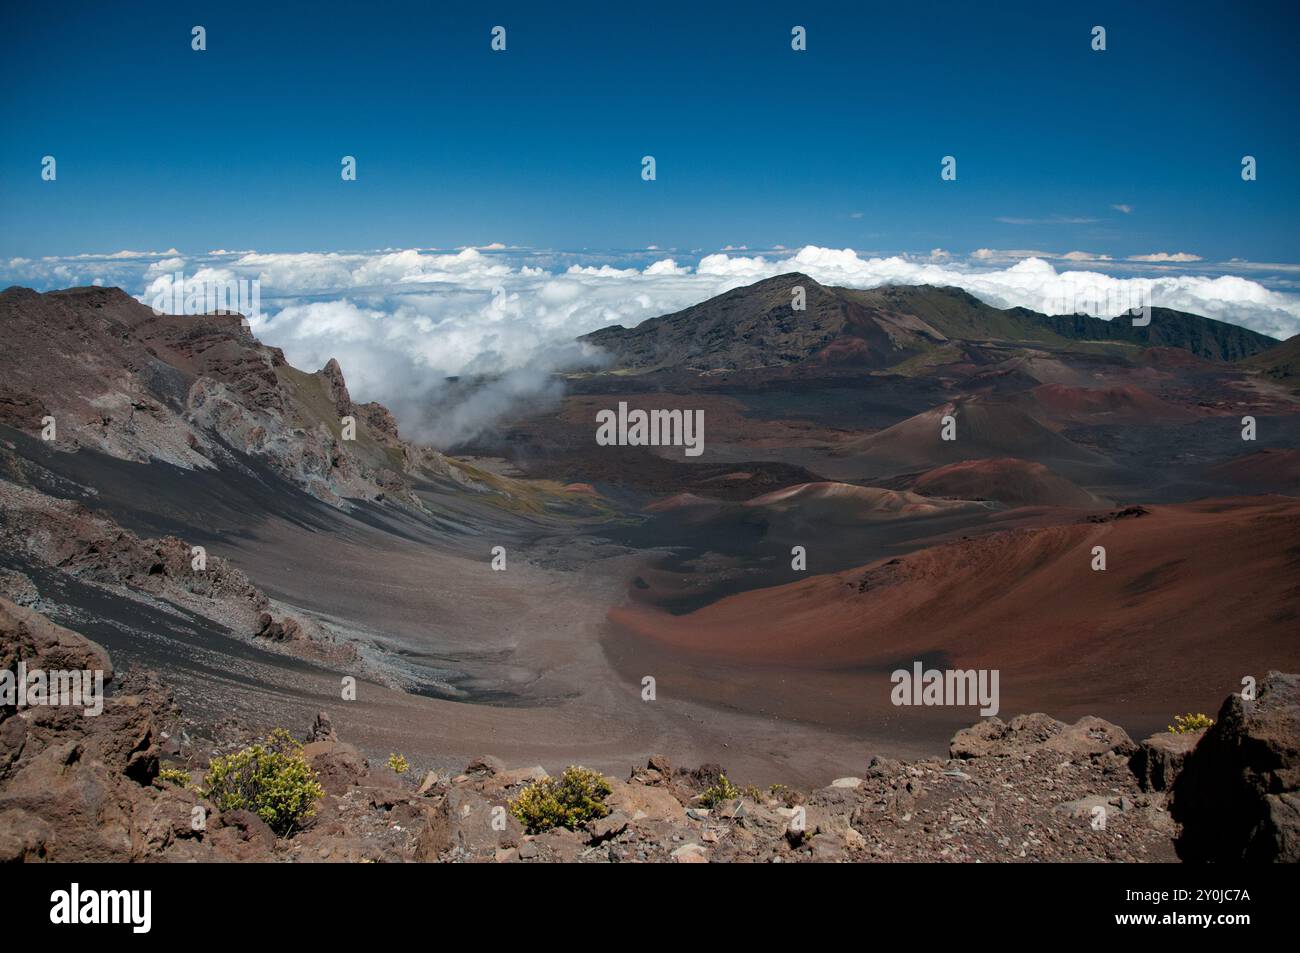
x: 74, y: 788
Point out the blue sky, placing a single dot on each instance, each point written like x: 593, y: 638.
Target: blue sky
x: 238, y: 147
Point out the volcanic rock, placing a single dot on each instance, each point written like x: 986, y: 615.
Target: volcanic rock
x: 1160, y: 758
x: 1238, y: 795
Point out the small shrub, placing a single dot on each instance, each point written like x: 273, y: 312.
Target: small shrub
x: 271, y: 779
x: 1185, y: 724
x: 724, y: 790
x: 784, y: 795
x: 174, y: 776
x: 571, y: 800
x: 398, y: 763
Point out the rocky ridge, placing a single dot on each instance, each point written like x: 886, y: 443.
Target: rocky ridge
x: 65, y: 536
x: 195, y: 391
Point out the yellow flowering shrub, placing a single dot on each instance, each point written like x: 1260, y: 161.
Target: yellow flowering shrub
x: 271, y: 779
x: 724, y: 790
x: 1185, y: 724
x: 174, y: 776
x: 571, y: 800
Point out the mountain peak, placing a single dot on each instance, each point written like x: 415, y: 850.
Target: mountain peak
x: 757, y: 326
x: 335, y: 385
x: 787, y: 280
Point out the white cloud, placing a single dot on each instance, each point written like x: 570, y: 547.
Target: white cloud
x: 1162, y: 256
x: 136, y: 254
x: 665, y: 267
x: 1241, y: 264
x: 991, y: 255
x: 1123, y: 207
x: 164, y: 266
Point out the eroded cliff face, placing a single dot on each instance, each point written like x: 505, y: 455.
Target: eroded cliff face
x: 188, y: 390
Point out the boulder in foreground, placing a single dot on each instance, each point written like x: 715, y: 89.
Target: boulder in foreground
x: 1238, y: 795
